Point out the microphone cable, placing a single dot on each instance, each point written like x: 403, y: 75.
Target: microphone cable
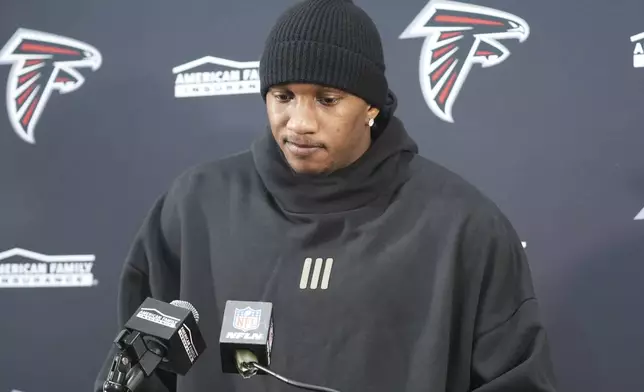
x: 291, y: 382
x: 247, y: 364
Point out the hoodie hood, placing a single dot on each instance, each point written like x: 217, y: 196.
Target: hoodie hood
x: 377, y: 173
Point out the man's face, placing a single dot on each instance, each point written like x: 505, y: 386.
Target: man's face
x: 319, y: 129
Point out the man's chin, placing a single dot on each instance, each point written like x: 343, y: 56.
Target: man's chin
x: 307, y: 168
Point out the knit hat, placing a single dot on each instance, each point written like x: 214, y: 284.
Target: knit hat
x: 328, y: 42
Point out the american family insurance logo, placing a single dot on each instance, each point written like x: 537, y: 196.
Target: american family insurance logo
x: 638, y: 50
x: 211, y: 76
x: 21, y: 268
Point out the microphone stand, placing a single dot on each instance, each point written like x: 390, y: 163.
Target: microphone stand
x: 137, y: 358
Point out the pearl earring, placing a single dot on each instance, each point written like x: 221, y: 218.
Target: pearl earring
x: 371, y: 122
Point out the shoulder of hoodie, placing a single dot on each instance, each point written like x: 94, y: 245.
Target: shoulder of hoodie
x: 199, y: 183
x: 433, y: 183
x: 204, y: 178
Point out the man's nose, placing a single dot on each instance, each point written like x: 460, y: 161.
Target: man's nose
x: 302, y: 119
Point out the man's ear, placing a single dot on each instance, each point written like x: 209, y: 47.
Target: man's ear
x: 373, y: 112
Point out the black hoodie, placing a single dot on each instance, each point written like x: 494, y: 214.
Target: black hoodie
x: 391, y: 275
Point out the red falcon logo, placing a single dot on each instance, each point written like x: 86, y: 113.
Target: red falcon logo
x: 458, y: 35
x: 41, y: 63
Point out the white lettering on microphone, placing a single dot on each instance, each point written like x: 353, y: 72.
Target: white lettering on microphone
x: 187, y: 343
x: 245, y: 336
x: 158, y: 319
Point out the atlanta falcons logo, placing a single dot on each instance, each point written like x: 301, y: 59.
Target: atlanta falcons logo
x: 457, y: 36
x: 41, y: 63
x: 640, y: 215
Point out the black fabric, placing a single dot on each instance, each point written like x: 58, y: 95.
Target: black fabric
x: 430, y: 291
x: 374, y: 175
x: 327, y: 42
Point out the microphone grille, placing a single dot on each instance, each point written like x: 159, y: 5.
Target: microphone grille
x: 186, y: 305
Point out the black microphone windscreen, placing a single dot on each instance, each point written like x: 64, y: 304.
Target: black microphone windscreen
x: 186, y: 305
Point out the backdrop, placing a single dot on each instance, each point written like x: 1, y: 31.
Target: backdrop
x: 538, y: 103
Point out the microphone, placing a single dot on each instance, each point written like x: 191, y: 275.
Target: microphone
x: 246, y: 342
x: 247, y: 329
x: 158, y: 335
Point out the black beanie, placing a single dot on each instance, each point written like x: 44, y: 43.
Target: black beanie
x: 327, y: 42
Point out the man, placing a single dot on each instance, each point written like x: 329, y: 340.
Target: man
x: 387, y: 272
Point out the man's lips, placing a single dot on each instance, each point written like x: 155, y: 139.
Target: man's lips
x: 302, y: 148
x: 300, y: 145
x: 303, y: 143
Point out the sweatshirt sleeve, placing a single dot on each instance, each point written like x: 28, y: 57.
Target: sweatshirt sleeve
x: 510, y: 347
x: 150, y: 270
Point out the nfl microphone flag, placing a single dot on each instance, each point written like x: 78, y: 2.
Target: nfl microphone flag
x: 246, y: 325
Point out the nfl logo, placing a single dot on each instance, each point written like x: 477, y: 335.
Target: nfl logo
x: 246, y: 319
